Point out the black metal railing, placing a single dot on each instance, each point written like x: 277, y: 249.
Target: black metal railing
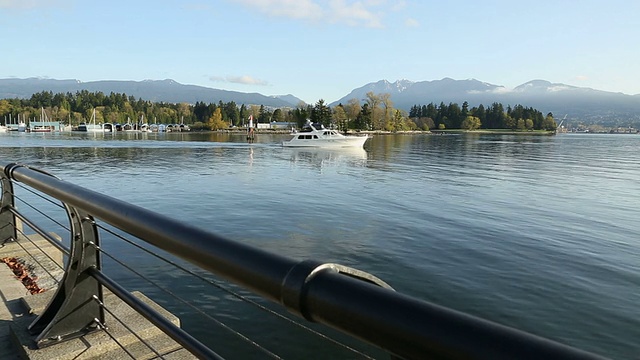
x: 351, y: 301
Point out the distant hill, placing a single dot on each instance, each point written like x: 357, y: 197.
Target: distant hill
x: 584, y: 105
x: 153, y: 90
x: 581, y: 105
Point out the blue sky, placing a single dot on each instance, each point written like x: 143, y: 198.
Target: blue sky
x: 323, y: 49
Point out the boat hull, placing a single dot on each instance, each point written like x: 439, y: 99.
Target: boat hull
x: 345, y: 142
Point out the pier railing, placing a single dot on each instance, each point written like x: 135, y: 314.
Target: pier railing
x: 348, y: 300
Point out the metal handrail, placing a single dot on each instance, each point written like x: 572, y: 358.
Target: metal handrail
x: 330, y: 294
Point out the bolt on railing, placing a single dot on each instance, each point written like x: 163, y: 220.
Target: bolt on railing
x: 351, y: 301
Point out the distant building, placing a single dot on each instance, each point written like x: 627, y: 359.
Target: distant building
x: 282, y: 125
x: 276, y: 125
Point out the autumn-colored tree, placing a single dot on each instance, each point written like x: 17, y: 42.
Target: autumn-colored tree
x: 215, y: 121
x: 340, y: 118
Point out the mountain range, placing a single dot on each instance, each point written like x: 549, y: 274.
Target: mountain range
x: 585, y: 105
x: 153, y: 90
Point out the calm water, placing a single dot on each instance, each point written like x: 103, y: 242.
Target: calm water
x: 534, y: 232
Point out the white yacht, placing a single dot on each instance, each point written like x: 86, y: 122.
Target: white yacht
x: 318, y: 136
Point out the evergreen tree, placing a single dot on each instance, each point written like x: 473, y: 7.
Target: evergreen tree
x: 321, y: 113
x: 364, y: 121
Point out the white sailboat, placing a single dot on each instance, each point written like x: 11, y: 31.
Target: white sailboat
x: 144, y: 127
x: 128, y: 127
x: 43, y: 120
x: 91, y: 126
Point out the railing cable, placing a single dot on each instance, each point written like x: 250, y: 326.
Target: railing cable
x: 176, y: 333
x: 238, y: 296
x: 106, y: 330
x: 40, y: 232
x: 102, y: 305
x: 43, y: 213
x: 38, y: 194
x: 208, y: 316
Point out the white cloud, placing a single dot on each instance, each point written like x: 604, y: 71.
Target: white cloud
x: 198, y: 6
x: 412, y: 23
x: 295, y: 9
x: 498, y: 90
x: 244, y: 79
x: 398, y: 5
x: 557, y: 88
x: 27, y: 4
x: 354, y: 14
x: 501, y: 90
x: 581, y: 78
x: 366, y: 13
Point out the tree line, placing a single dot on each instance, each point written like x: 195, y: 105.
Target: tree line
x: 453, y: 116
x: 375, y: 113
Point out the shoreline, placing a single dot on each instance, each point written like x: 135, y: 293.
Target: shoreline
x: 408, y: 132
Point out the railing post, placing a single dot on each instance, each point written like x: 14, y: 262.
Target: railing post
x: 73, y: 312
x: 7, y: 218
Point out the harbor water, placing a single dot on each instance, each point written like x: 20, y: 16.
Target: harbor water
x: 539, y: 233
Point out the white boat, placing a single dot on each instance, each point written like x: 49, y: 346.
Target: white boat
x: 319, y: 137
x: 3, y: 128
x: 43, y: 125
x: 143, y: 126
x: 128, y: 126
x: 91, y: 126
x: 40, y: 128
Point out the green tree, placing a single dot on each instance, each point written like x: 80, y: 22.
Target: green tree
x: 471, y: 123
x: 244, y: 114
x: 528, y: 123
x: 232, y: 113
x: 549, y: 123
x: 277, y: 116
x: 301, y: 114
x: 363, y: 121
x: 321, y: 113
x: 465, y: 110
x: 264, y: 116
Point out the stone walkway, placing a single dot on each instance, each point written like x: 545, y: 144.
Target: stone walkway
x: 18, y: 308
x: 44, y: 264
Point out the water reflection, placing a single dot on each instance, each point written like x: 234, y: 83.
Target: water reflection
x: 329, y: 157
